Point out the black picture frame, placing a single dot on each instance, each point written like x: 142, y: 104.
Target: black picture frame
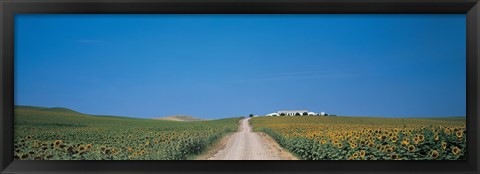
x: 9, y: 8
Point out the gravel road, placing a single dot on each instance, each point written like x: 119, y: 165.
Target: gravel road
x: 248, y: 145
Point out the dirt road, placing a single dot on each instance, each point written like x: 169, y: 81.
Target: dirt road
x: 248, y: 145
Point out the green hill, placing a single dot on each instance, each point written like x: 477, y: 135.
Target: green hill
x: 62, y: 134
x: 40, y: 116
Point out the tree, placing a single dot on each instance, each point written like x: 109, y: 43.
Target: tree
x: 297, y: 114
x: 305, y: 113
x: 282, y: 114
x: 251, y: 115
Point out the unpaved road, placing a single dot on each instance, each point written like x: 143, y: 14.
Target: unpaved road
x: 248, y: 145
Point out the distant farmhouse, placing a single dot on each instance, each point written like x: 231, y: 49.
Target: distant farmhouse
x: 295, y: 113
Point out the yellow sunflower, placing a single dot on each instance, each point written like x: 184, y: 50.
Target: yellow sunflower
x: 89, y: 146
x: 355, y: 155
x: 394, y: 139
x: 456, y: 150
x: 421, y: 138
x: 411, y: 148
x: 57, y: 142
x: 434, y: 154
x: 394, y: 156
x: 444, y: 145
x: 362, y: 153
x: 459, y: 134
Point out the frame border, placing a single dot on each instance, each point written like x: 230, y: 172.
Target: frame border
x: 9, y: 8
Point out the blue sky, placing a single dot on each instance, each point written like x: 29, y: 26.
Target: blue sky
x: 215, y: 66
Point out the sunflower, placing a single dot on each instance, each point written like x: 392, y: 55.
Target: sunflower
x: 323, y: 141
x: 340, y: 145
x: 456, y: 150
x: 389, y: 150
x: 370, y: 144
x: 353, y: 145
x: 411, y: 148
x: 459, y: 134
x: 81, y: 147
x: 355, y: 155
x: 384, y: 137
x: 394, y: 139
x: 444, y: 145
x: 362, y: 153
x: 363, y: 142
x: 88, y: 146
x: 405, y: 142
x: 28, y: 137
x: 335, y: 141
x: 394, y: 156
x: 421, y: 138
x: 57, y: 143
x: 435, y: 137
x: 416, y: 140
x: 447, y: 131
x: 382, y: 148
x: 434, y: 154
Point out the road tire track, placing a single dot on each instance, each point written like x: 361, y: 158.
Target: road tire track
x: 248, y: 145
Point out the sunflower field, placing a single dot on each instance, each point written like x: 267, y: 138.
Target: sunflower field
x: 62, y: 134
x: 367, y: 138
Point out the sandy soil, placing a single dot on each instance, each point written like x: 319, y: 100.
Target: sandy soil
x: 247, y: 145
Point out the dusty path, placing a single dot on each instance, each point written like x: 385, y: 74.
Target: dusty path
x: 248, y: 145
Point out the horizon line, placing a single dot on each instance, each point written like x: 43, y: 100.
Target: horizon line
x: 330, y: 115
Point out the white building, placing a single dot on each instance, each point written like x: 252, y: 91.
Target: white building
x: 273, y: 114
x: 294, y: 113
